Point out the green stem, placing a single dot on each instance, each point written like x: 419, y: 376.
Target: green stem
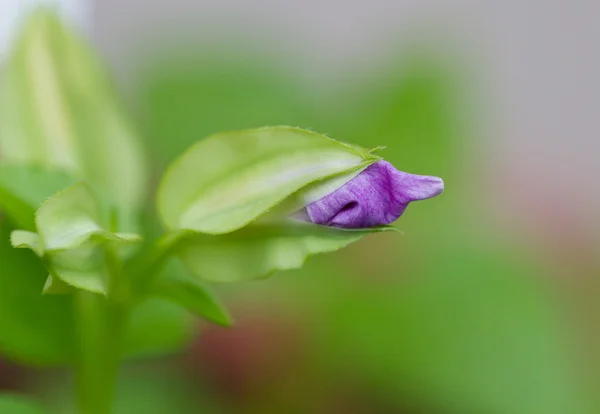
x: 101, y: 325
x: 146, y: 271
x: 100, y: 328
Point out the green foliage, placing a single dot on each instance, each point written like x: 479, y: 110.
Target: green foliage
x: 60, y: 123
x: 75, y: 166
x: 226, y: 203
x: 72, y: 241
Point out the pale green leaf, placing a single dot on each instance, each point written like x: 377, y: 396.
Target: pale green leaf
x: 72, y: 217
x: 58, y: 108
x: 94, y: 281
x: 308, y: 195
x: 22, y: 239
x: 258, y: 251
x: 68, y: 219
x: 72, y: 239
x: 175, y: 285
x: 227, y: 180
x: 24, y: 187
x: 83, y: 267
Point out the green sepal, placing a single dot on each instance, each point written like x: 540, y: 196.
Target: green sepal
x: 258, y: 251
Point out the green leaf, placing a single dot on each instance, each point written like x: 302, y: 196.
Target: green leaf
x: 24, y: 187
x: 71, y: 237
x: 308, y: 195
x: 15, y: 404
x: 176, y: 286
x: 68, y: 219
x: 58, y: 108
x: 71, y: 218
x: 227, y: 180
x: 95, y: 281
x: 22, y: 239
x: 259, y: 251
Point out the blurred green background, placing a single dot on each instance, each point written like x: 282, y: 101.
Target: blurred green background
x: 480, y: 306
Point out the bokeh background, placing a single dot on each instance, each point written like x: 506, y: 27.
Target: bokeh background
x: 488, y: 301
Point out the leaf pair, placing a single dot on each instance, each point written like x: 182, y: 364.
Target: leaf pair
x: 72, y: 241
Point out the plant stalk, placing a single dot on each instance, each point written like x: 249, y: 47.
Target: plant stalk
x: 100, y: 329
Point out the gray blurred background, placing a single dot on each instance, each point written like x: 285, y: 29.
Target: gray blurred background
x: 533, y: 64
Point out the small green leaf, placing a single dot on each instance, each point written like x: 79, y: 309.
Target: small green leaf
x: 83, y: 267
x: 72, y: 217
x: 227, y: 180
x: 16, y: 404
x: 176, y: 286
x: 94, y: 281
x: 24, y: 187
x: 258, y: 251
x: 22, y: 239
x: 68, y: 219
x: 72, y: 239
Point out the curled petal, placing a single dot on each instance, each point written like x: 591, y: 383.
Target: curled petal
x: 377, y: 196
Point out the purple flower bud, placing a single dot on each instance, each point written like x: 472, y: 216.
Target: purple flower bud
x: 375, y: 197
